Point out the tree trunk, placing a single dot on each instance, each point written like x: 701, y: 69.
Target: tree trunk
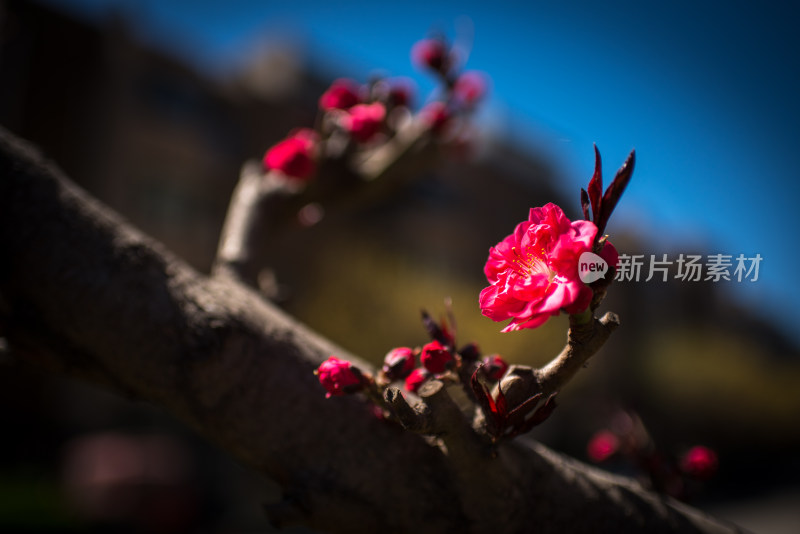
x: 85, y: 294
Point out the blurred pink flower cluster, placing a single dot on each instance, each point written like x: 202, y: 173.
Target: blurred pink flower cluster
x: 367, y: 114
x: 628, y: 442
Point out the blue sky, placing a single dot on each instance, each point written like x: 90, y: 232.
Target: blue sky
x: 707, y: 92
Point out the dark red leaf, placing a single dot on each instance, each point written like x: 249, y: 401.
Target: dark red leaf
x: 537, y: 418
x: 585, y: 204
x: 493, y: 411
x: 501, y: 406
x: 544, y: 412
x: 595, y: 189
x: 483, y: 396
x: 614, y: 192
x: 434, y: 330
x: 517, y: 415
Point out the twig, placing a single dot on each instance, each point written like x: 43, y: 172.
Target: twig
x: 583, y: 341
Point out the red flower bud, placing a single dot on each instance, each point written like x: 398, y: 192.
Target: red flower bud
x: 401, y: 92
x: 342, y: 94
x: 470, y: 352
x: 494, y: 366
x: 610, y: 254
x: 398, y: 363
x: 416, y: 379
x: 602, y: 446
x: 430, y: 53
x: 363, y: 121
x: 338, y: 377
x: 294, y: 156
x: 699, y: 462
x: 436, y: 116
x: 470, y: 87
x: 435, y: 357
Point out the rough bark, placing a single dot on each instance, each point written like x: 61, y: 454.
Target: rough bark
x: 85, y: 294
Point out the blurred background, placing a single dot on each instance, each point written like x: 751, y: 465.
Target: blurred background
x: 153, y: 106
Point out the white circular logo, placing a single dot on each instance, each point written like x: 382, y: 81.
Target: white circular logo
x: 591, y: 267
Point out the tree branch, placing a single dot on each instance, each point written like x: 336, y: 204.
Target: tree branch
x: 257, y: 203
x: 108, y: 304
x: 584, y: 339
x: 261, y: 201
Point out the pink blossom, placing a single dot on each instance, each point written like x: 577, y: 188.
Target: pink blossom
x: 339, y: 377
x: 699, y: 462
x: 495, y: 367
x: 436, y: 116
x: 430, y: 53
x: 435, y: 357
x: 416, y: 379
x: 363, y: 121
x: 602, y: 446
x: 534, y: 271
x: 470, y: 87
x: 342, y: 94
x: 398, y: 363
x: 294, y: 156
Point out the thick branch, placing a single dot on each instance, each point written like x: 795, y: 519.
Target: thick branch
x: 106, y: 303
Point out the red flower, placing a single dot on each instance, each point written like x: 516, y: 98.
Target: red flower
x: 338, y: 377
x: 416, y: 379
x: 435, y: 357
x: 436, y: 116
x: 470, y: 87
x: 342, y: 94
x: 602, y: 446
x: 534, y: 271
x: 699, y: 462
x: 495, y: 367
x: 398, y: 363
x: 431, y: 53
x: 294, y: 156
x: 363, y: 121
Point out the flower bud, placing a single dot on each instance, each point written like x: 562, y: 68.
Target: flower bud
x: 342, y: 94
x: 431, y: 54
x: 470, y: 87
x: 339, y: 377
x: 470, y: 352
x: 436, y: 116
x: 495, y: 367
x: 294, y: 156
x: 401, y: 92
x: 436, y: 357
x: 363, y: 121
x: 602, y: 446
x: 398, y: 363
x: 699, y: 462
x: 416, y: 379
